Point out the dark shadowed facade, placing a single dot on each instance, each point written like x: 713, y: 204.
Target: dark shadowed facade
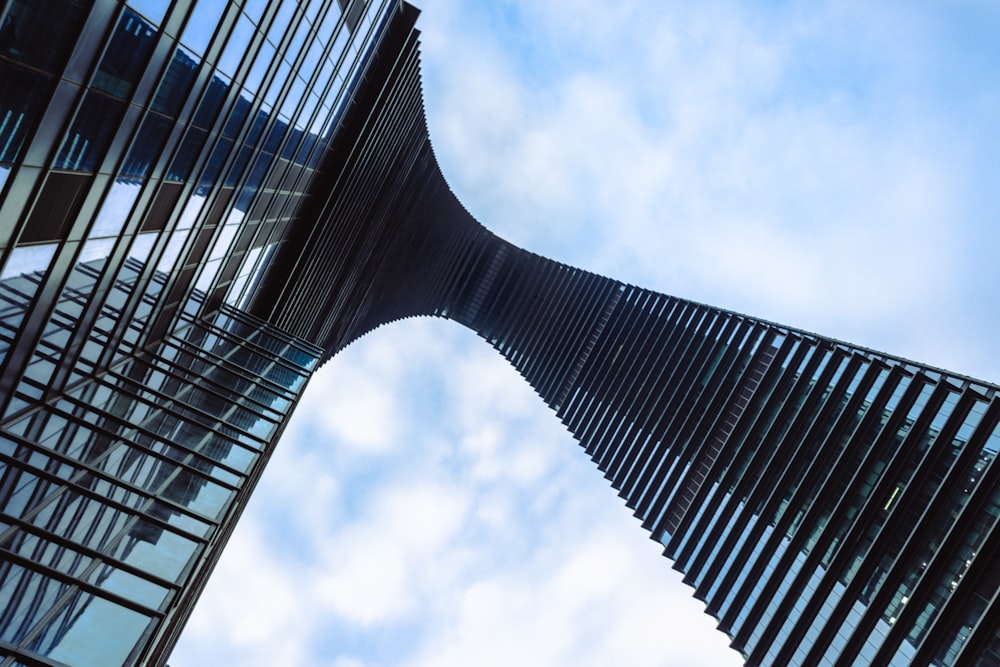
x: 200, y: 202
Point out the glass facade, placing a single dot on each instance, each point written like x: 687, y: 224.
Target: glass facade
x: 201, y: 201
x: 152, y: 157
x: 114, y: 492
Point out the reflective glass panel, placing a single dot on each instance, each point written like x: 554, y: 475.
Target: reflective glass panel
x: 254, y: 9
x: 180, y: 168
x: 340, y: 44
x: 236, y: 172
x: 97, y: 250
x: 208, y: 274
x: 236, y: 46
x: 28, y: 259
x: 237, y: 116
x: 116, y: 207
x: 329, y: 21
x: 142, y: 245
x: 279, y: 80
x: 155, y: 550
x: 295, y: 46
x: 215, y: 162
x: 152, y: 10
x: 192, y: 207
x: 280, y: 23
x: 173, y: 250
x: 176, y: 82
x: 147, y: 145
x: 21, y: 596
x: 208, y: 109
x: 312, y: 59
x: 128, y: 585
x: 22, y: 94
x: 201, y: 24
x: 295, y: 95
x: 42, y: 32
x: 265, y: 55
x: 92, y: 130
x: 126, y: 55
x: 91, y: 632
x: 312, y: 11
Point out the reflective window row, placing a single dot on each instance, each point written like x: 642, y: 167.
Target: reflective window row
x: 157, y: 109
x: 109, y: 494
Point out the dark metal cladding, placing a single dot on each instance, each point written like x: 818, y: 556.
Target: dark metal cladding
x: 191, y: 222
x: 803, y: 485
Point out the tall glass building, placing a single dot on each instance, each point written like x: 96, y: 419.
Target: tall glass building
x: 202, y: 201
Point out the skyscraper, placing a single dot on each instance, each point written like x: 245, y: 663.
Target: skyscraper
x: 374, y: 237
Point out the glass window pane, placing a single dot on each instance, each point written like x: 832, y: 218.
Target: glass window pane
x: 295, y: 46
x: 142, y: 245
x: 208, y: 109
x: 116, y: 207
x: 153, y: 10
x: 330, y: 20
x: 201, y: 24
x: 258, y: 171
x: 96, y: 249
x: 281, y: 21
x: 56, y: 208
x: 180, y: 168
x: 156, y: 550
x: 173, y: 250
x: 237, y: 116
x: 294, y: 96
x: 21, y: 596
x: 274, y: 137
x: 94, y: 126
x: 91, y: 632
x: 214, y: 167
x: 340, y: 44
x: 265, y: 55
x: 254, y: 9
x: 236, y: 46
x: 125, y: 58
x: 190, y: 212
x: 128, y: 586
x: 176, y: 82
x: 312, y: 11
x: 257, y: 128
x: 279, y: 80
x: 224, y: 241
x: 147, y: 145
x: 236, y: 172
x: 42, y: 32
x: 312, y: 59
x: 198, y: 494
x: 208, y: 274
x: 28, y: 259
x: 22, y: 94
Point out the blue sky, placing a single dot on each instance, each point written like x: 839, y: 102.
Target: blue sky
x: 827, y: 165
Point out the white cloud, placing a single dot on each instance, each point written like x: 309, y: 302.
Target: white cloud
x: 264, y: 620
x: 374, y: 569
x: 360, y: 410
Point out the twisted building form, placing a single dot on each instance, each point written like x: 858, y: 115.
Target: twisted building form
x: 202, y: 202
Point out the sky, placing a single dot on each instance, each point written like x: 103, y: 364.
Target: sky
x: 828, y: 165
